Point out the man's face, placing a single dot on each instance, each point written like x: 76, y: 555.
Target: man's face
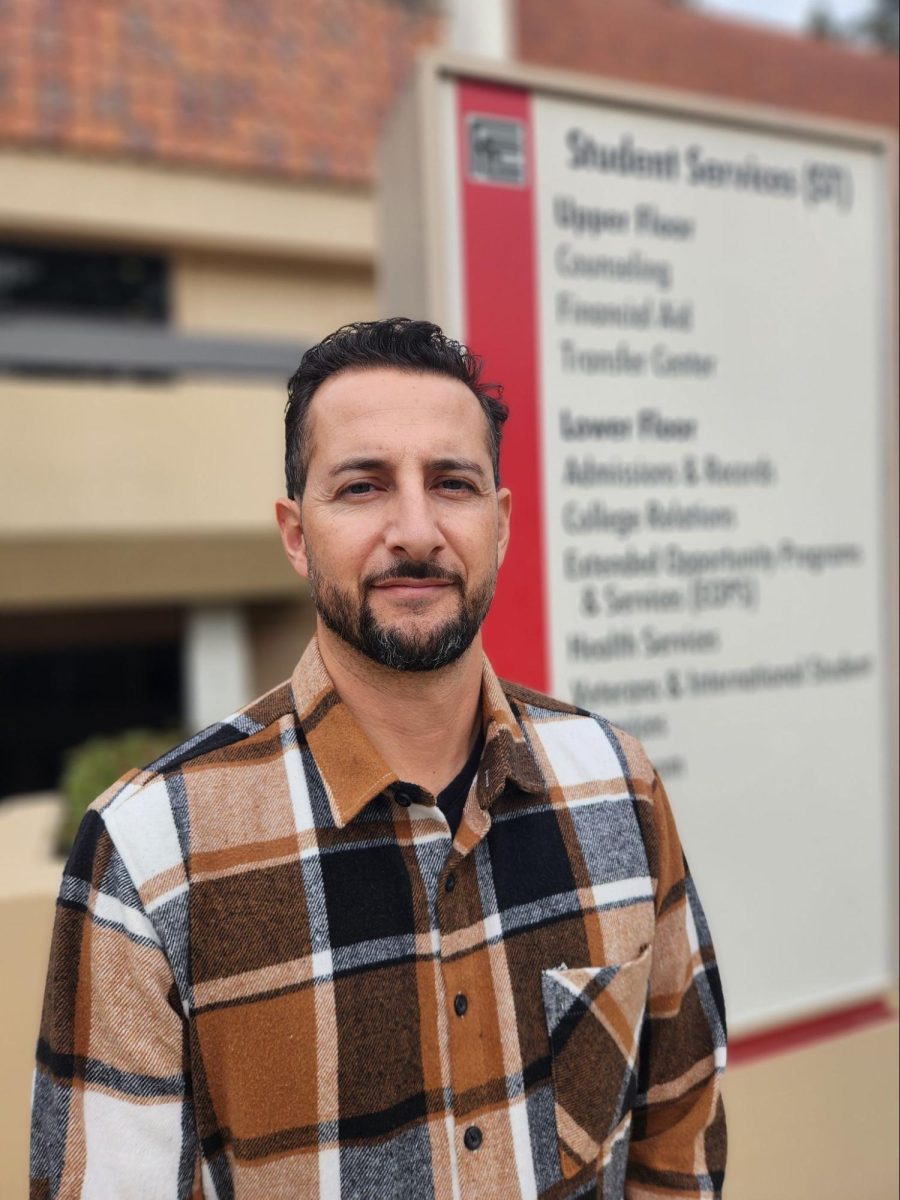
x: 400, y: 530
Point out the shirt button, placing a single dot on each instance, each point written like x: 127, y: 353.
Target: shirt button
x: 450, y: 882
x: 472, y: 1138
x: 404, y: 799
x: 460, y: 1005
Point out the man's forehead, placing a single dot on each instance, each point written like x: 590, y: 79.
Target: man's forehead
x: 379, y: 408
x: 373, y: 385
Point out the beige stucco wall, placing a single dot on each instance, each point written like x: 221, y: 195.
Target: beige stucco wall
x: 88, y: 456
x: 265, y: 297
x: 115, y: 491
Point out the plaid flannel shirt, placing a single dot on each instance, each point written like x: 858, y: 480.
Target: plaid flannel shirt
x: 272, y: 975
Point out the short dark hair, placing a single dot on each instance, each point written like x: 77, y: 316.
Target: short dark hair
x: 399, y: 343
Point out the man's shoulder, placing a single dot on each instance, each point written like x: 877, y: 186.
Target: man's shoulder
x: 255, y: 734
x: 576, y: 735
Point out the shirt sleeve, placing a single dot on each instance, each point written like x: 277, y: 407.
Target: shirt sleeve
x: 111, y: 1105
x: 678, y: 1144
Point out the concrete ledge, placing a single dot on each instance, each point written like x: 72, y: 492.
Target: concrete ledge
x: 47, y: 193
x: 56, y: 572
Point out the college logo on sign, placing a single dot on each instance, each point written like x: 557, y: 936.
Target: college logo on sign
x: 497, y: 150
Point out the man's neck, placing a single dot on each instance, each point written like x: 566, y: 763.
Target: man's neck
x: 423, y: 723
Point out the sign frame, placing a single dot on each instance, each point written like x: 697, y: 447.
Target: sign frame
x: 415, y: 277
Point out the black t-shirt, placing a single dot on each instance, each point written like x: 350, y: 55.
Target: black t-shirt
x: 451, y: 801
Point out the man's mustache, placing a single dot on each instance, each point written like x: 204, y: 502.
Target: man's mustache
x: 414, y: 570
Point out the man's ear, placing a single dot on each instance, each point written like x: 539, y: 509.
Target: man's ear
x: 504, y: 510
x: 290, y: 525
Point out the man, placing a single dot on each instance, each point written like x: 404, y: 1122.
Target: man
x: 395, y: 930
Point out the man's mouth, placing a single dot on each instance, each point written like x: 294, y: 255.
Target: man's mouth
x: 414, y: 582
x: 403, y: 581
x: 402, y: 587
x: 414, y: 579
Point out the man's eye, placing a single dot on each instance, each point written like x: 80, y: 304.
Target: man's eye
x: 357, y: 489
x: 456, y: 485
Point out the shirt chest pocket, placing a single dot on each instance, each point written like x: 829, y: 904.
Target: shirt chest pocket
x: 594, y: 1018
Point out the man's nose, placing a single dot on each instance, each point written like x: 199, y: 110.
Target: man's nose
x: 413, y: 528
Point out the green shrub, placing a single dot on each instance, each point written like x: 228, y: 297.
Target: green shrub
x: 90, y: 768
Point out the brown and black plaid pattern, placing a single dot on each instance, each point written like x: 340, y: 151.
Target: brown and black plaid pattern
x: 273, y: 976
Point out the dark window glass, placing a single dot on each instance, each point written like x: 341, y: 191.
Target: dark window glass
x: 56, y: 698
x: 53, y: 282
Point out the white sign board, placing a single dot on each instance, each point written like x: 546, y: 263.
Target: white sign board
x: 691, y: 319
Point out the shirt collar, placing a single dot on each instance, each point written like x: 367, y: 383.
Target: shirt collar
x: 353, y: 771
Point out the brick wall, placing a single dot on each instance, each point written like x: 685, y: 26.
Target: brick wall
x: 290, y: 87
x: 298, y: 88
x: 658, y: 42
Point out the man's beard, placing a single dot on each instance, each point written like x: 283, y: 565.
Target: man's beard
x: 357, y: 625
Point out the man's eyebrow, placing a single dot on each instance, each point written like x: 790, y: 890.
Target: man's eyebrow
x: 365, y: 463
x: 358, y: 464
x: 457, y: 464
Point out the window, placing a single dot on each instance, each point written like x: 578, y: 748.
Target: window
x: 69, y: 676
x: 46, y: 281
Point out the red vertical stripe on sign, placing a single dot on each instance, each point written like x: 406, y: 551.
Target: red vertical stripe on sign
x: 500, y: 295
